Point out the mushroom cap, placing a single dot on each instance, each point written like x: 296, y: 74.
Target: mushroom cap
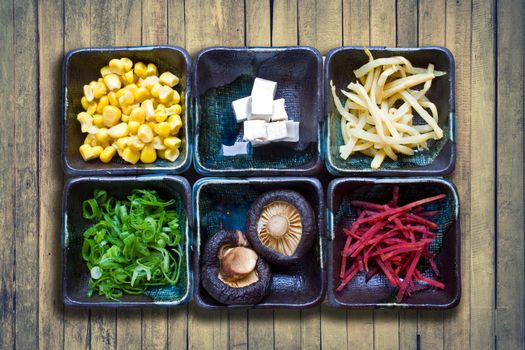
x: 281, y: 226
x: 244, y: 284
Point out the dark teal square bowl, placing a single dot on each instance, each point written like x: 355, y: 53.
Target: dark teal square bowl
x: 82, y: 66
x: 439, y: 160
x: 75, y: 274
x: 223, y: 203
x: 224, y: 74
x: 377, y: 292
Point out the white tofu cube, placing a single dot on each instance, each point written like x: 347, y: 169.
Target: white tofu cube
x: 292, y: 131
x: 242, y: 108
x: 255, y: 130
x: 276, y: 131
x: 257, y: 143
x: 263, y: 92
x: 279, y: 112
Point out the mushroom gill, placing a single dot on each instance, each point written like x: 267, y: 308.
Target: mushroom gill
x: 237, y: 266
x: 280, y: 227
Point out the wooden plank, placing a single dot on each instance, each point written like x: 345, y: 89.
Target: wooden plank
x: 320, y: 24
x: 258, y: 17
x: 482, y: 146
x: 284, y: 31
x: 383, y: 33
x: 154, y: 22
x: 406, y: 19
x: 260, y: 329
x: 311, y: 328
x: 360, y: 328
x: 431, y: 31
x: 129, y: 329
x: 356, y: 22
x: 458, y: 40
x: 408, y: 329
x: 238, y: 321
x: 287, y: 329
x: 510, y: 113
x: 207, y: 329
x: 103, y: 329
x: 216, y: 22
x: 176, y: 25
x: 7, y: 185
x: 178, y: 328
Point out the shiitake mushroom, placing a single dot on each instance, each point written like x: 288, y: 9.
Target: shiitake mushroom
x: 280, y: 226
x: 232, y: 273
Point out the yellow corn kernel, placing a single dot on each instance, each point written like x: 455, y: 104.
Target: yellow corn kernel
x: 138, y: 115
x: 175, y: 109
x: 128, y: 78
x: 169, y: 79
x: 99, y: 90
x: 88, y: 93
x: 103, y: 136
x: 113, y: 100
x: 119, y: 130
x: 130, y: 155
x: 160, y: 116
x: 112, y: 81
x: 152, y: 126
x: 145, y: 133
x: 90, y: 140
x: 84, y: 102
x: 128, y: 64
x: 105, y: 71
x: 155, y: 90
x: 172, y: 142
x: 175, y: 123
x: 141, y: 94
x: 162, y: 129
x: 124, y: 118
x: 98, y: 120
x: 122, y: 143
x: 149, y: 82
x: 158, y: 143
x: 103, y: 102
x: 147, y: 106
x: 111, y: 115
x: 135, y: 144
x: 176, y: 97
x: 152, y: 70
x: 87, y: 152
x: 107, y: 154
x: 133, y: 127
x: 132, y: 88
x: 126, y: 99
x: 86, y: 121
x: 140, y: 70
x: 127, y: 109
x: 120, y: 93
x: 116, y: 66
x: 92, y: 108
x: 148, y: 154
x: 166, y: 94
x: 169, y: 154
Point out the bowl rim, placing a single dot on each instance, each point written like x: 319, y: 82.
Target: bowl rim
x: 71, y: 170
x: 455, y: 228
x: 178, y: 180
x: 446, y: 169
x: 315, y: 183
x: 317, y: 165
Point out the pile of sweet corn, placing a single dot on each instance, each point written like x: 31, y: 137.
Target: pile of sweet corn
x: 131, y: 111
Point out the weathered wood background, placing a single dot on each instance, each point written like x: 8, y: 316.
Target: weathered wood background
x: 487, y: 39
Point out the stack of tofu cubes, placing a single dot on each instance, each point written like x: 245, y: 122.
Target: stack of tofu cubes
x: 265, y: 119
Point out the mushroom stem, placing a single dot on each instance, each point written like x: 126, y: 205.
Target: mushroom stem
x: 237, y: 263
x: 277, y: 226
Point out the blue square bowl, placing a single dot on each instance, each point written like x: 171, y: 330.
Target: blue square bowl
x: 224, y: 74
x: 82, y: 66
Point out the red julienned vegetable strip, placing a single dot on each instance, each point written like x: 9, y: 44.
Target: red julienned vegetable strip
x: 391, y: 239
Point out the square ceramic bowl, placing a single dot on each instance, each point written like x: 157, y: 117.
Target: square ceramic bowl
x: 75, y: 274
x: 225, y: 74
x: 378, y: 293
x: 439, y: 160
x: 82, y: 66
x: 220, y: 202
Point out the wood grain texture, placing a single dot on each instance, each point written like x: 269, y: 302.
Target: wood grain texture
x: 260, y: 329
x: 257, y: 14
x: 356, y: 22
x: 407, y: 23
x: 482, y: 146
x: 238, y: 329
x: 360, y: 329
x: 7, y: 185
x: 207, y: 329
x: 284, y: 31
x: 510, y: 112
x: 51, y: 49
x: 320, y: 24
x: 458, y: 40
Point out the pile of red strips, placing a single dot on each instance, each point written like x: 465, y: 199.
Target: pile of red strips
x: 391, y: 239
